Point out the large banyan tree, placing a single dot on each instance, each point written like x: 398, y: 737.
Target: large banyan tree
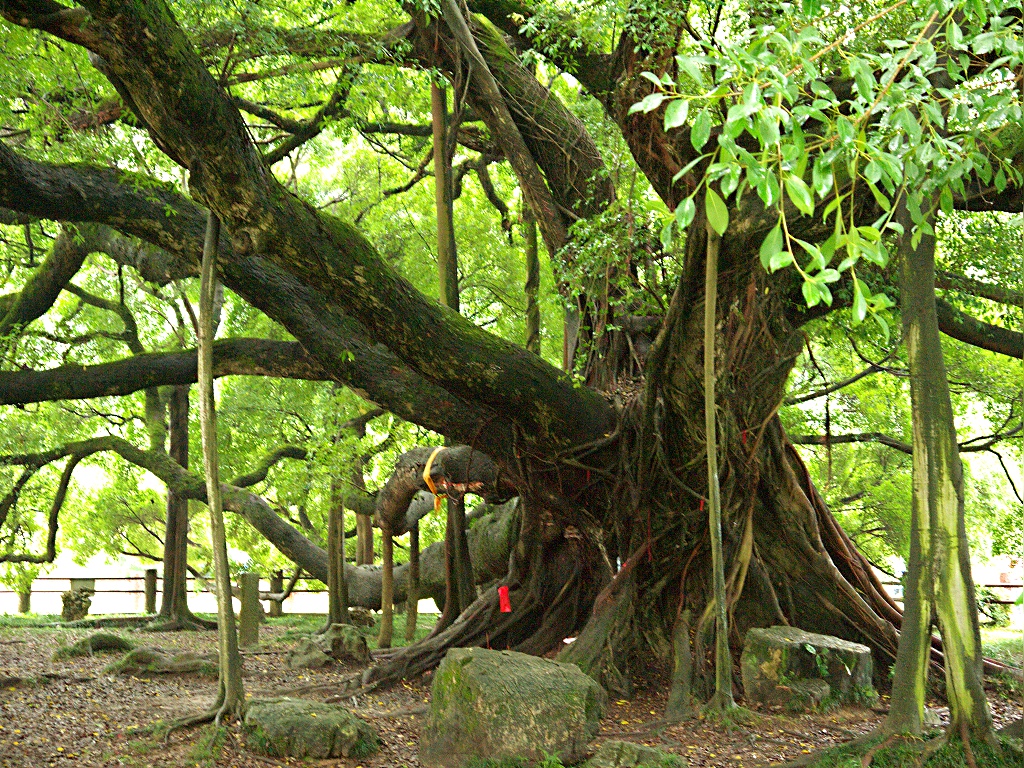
x: 608, y: 464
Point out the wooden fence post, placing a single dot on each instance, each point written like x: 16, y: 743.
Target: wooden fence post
x: 151, y: 590
x: 277, y: 587
x: 250, y: 612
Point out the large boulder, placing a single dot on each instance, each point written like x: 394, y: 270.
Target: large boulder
x: 626, y: 754
x: 344, y: 642
x: 786, y: 666
x: 307, y: 729
x: 307, y: 654
x: 494, y: 705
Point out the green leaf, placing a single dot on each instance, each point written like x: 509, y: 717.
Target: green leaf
x: 800, y: 194
x: 701, y: 131
x: 690, y: 67
x: 684, y: 213
x: 883, y: 325
x: 860, y: 303
x: 780, y: 260
x: 772, y: 245
x: 666, y: 235
x: 649, y: 103
x: 717, y: 212
x: 675, y: 114
x: 812, y: 295
x: 946, y: 200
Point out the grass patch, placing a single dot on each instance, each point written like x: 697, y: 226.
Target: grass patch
x: 1005, y: 645
x: 903, y: 753
x: 28, y: 620
x: 208, y: 747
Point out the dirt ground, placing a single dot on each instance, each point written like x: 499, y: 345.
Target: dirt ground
x: 75, y: 715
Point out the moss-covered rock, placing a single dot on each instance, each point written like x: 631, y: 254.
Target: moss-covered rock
x: 307, y: 654
x: 626, y: 754
x: 789, y: 667
x: 502, y: 705
x: 94, y: 643
x: 298, y: 728
x: 153, y: 661
x: 344, y: 642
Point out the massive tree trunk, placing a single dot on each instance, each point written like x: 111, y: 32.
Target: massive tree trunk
x: 786, y: 559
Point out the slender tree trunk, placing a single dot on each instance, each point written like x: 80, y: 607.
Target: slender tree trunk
x: 364, y: 540
x: 387, y: 590
x: 723, y: 659
x: 532, y: 283
x: 337, y: 587
x: 174, y: 604
x: 464, y: 583
x: 231, y: 696
x: 413, y: 592
x: 447, y: 258
x: 943, y: 571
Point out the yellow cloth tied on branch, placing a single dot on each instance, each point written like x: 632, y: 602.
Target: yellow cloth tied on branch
x: 430, y: 483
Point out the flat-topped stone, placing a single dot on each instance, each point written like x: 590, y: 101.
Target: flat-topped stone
x: 780, y: 663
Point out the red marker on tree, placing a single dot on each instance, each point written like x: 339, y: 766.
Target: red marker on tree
x: 503, y: 601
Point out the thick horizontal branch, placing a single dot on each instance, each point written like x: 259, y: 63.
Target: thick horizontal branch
x: 969, y: 330
x: 950, y: 281
x: 176, y: 226
x: 453, y: 471
x: 860, y: 437
x: 480, y: 382
x: 268, y: 462
x: 231, y: 357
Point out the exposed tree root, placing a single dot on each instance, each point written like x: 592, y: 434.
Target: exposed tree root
x: 553, y: 582
x: 870, y: 754
x: 190, y: 623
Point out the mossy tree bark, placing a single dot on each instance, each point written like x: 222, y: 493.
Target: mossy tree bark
x: 939, y: 568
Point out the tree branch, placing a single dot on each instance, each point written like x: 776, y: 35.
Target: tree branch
x: 969, y: 330
x: 231, y: 357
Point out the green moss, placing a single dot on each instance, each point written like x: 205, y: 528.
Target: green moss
x: 95, y: 643
x: 908, y: 752
x: 208, y: 747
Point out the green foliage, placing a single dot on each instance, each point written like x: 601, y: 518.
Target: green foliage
x: 890, y: 133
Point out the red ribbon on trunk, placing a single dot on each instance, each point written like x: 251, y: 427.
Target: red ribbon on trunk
x: 503, y: 601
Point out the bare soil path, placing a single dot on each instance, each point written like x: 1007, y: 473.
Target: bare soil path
x: 76, y: 715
